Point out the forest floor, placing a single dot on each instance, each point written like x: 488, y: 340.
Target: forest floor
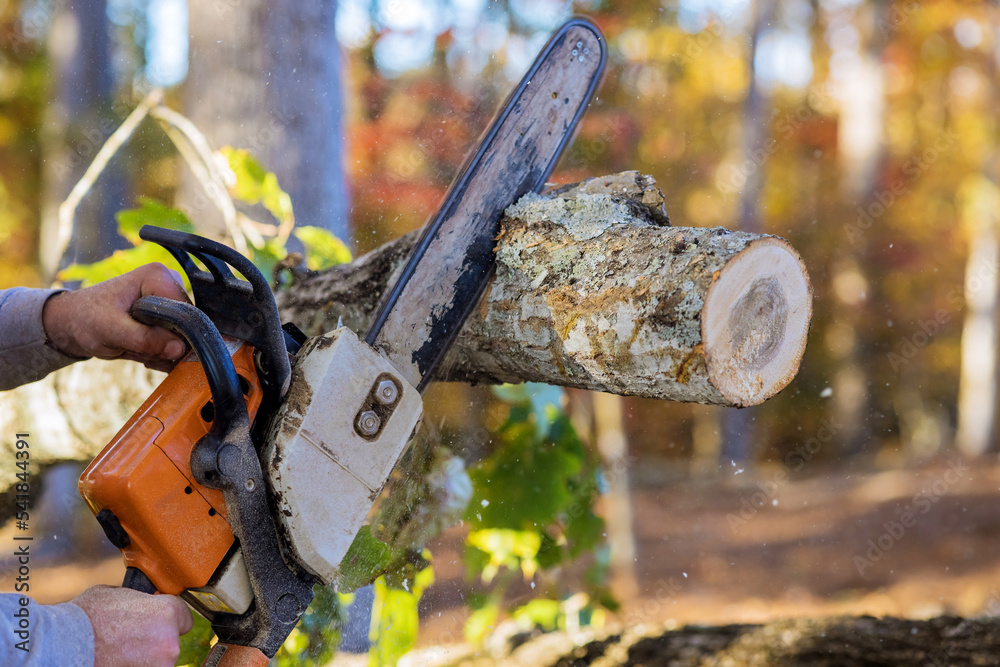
x: 916, y: 543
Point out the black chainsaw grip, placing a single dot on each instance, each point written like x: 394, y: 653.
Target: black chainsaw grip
x: 191, y: 323
x: 137, y: 580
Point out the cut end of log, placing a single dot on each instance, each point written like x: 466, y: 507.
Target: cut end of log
x: 755, y: 322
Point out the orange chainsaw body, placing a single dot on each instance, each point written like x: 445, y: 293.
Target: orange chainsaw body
x: 177, y: 529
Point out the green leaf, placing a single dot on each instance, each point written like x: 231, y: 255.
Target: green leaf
x: 525, y: 484
x: 256, y: 185
x: 150, y: 212
x: 323, y: 249
x: 512, y: 549
x: 481, y: 622
x: 584, y: 530
x: 120, y: 262
x: 196, y: 643
x: 366, y: 559
x: 542, y: 613
x: 550, y: 553
x: 395, y: 620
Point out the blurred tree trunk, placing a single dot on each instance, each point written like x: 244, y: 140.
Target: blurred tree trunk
x: 977, y: 398
x: 979, y: 203
x: 737, y: 428
x: 861, y: 151
x: 612, y: 445
x: 77, y: 121
x: 266, y: 76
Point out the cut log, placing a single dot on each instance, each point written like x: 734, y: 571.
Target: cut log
x: 593, y: 290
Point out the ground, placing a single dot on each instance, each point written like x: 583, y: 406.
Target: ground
x: 916, y: 543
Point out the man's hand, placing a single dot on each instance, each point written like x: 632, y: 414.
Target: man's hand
x: 94, y: 322
x: 133, y: 628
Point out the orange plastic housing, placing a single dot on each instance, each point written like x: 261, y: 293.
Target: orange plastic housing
x: 178, y: 531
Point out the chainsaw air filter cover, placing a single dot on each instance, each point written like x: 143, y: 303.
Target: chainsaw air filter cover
x: 345, y: 421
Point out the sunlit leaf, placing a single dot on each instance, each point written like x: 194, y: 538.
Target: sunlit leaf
x: 481, y: 622
x: 130, y: 221
x: 256, y: 185
x: 540, y: 613
x: 507, y: 548
x: 120, y: 262
x: 150, y: 212
x: 323, y: 249
x: 196, y: 643
x: 395, y: 619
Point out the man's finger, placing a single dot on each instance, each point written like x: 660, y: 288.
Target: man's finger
x: 152, y: 363
x: 146, y: 341
x: 182, y: 615
x: 158, y: 280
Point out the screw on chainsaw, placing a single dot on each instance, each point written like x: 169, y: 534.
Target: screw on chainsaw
x: 367, y: 424
x: 387, y: 392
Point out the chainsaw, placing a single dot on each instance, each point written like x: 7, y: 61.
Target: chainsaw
x: 243, y: 479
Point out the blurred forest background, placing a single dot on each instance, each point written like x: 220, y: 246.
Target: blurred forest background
x: 864, y: 132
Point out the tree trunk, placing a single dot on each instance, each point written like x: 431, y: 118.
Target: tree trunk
x: 737, y: 428
x: 224, y: 93
x: 612, y: 445
x: 977, y: 396
x: 861, y: 151
x: 591, y: 291
x: 266, y: 76
x: 78, y: 120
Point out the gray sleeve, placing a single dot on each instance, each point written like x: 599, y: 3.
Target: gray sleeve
x: 34, y: 635
x: 24, y: 354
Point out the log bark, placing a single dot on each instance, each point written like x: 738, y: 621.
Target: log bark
x: 827, y: 642
x: 592, y: 290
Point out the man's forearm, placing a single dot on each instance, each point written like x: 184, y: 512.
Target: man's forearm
x: 40, y: 635
x: 25, y: 355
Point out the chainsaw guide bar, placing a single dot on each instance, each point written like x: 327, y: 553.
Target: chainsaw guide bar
x: 453, y: 260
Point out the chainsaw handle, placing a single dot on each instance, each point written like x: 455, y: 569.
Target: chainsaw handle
x: 137, y: 580
x: 234, y: 655
x: 191, y: 323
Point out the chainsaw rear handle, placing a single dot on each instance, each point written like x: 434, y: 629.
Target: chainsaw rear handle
x: 225, y: 459
x: 137, y: 580
x: 199, y: 331
x: 203, y: 337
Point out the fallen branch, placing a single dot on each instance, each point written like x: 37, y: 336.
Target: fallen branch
x: 804, y: 642
x: 593, y: 291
